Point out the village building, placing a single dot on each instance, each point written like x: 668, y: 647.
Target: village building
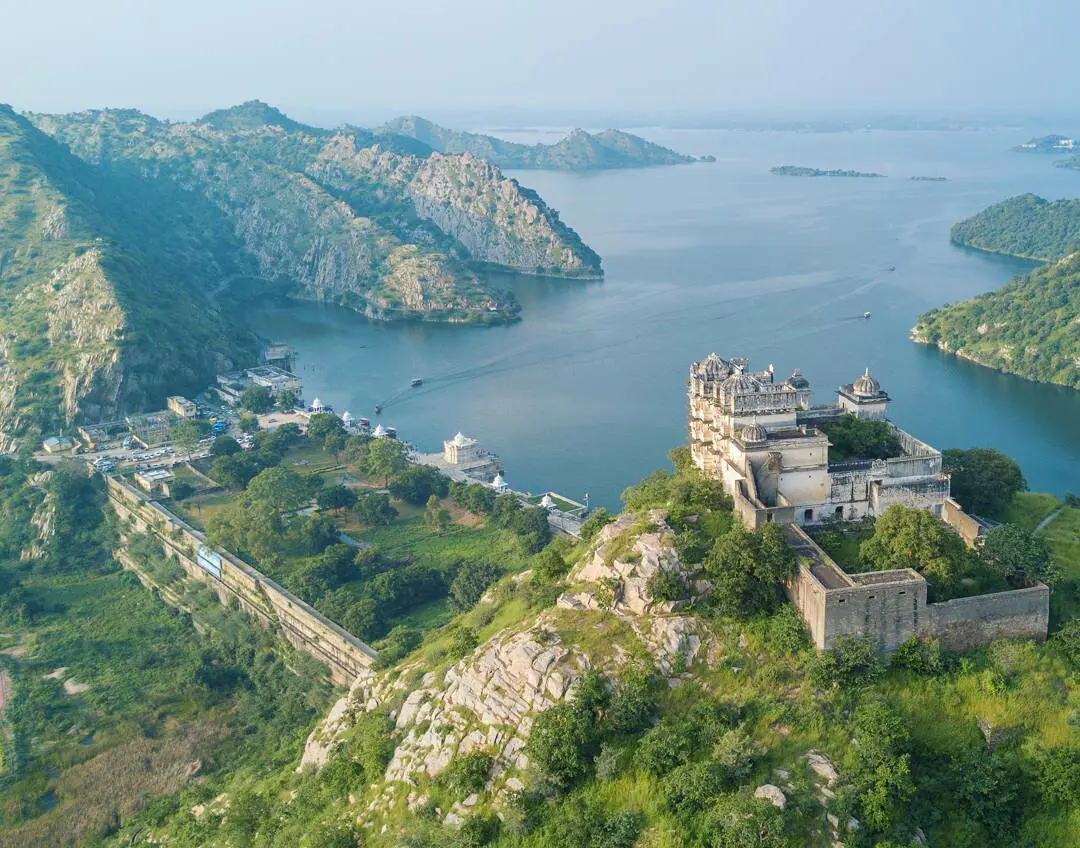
x: 57, y: 444
x: 181, y: 407
x: 277, y: 380
x: 155, y: 480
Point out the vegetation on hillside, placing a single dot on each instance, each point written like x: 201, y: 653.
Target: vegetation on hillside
x: 1028, y: 328
x: 1026, y: 225
x: 116, y: 702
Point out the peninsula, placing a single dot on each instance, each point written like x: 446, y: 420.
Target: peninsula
x: 801, y: 171
x: 1028, y: 327
x: 1048, y: 144
x: 578, y: 151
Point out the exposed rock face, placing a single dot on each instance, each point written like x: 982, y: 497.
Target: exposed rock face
x: 98, y: 314
x: 489, y: 700
x: 773, y: 794
x: 390, y: 234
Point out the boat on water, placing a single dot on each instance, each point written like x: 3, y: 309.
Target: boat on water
x: 416, y: 381
x: 378, y: 409
x: 866, y: 315
x: 892, y: 267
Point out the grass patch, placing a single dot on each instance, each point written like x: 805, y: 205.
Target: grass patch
x: 1029, y: 508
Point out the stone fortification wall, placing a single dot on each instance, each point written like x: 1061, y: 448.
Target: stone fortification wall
x: 964, y: 623
x: 969, y: 529
x: 890, y: 607
x: 231, y: 578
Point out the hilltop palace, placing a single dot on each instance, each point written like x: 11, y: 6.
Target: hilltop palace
x: 761, y: 438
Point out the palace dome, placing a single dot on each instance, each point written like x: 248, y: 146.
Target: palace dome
x: 740, y: 383
x: 753, y: 433
x: 797, y: 380
x: 866, y: 386
x: 713, y: 367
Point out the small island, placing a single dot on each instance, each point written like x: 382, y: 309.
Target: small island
x: 800, y: 171
x: 930, y: 179
x: 1048, y: 144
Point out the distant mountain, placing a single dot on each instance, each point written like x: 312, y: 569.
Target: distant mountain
x: 1048, y: 144
x: 1028, y: 328
x: 1026, y: 226
x: 579, y: 151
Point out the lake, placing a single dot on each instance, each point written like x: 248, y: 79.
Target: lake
x: 587, y: 392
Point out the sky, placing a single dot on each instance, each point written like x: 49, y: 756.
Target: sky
x: 354, y: 59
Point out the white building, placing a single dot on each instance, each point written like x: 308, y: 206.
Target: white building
x: 761, y: 438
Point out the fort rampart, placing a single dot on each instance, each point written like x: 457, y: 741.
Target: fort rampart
x: 231, y: 578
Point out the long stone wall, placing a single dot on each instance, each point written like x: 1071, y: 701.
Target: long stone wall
x: 964, y: 623
x: 890, y: 607
x: 230, y: 577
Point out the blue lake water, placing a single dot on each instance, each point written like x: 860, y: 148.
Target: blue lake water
x: 587, y: 392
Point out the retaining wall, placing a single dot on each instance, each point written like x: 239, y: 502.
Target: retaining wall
x: 304, y: 627
x: 964, y: 623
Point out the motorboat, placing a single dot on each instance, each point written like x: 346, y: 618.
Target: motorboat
x: 866, y: 315
x: 416, y: 381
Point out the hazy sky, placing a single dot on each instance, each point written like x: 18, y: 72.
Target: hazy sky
x: 182, y: 57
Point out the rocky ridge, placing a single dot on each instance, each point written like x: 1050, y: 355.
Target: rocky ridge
x: 488, y: 700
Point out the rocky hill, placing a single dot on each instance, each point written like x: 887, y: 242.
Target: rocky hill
x: 390, y: 234
x: 578, y: 151
x: 99, y: 313
x: 119, y: 232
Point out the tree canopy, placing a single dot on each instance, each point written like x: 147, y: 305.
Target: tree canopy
x: 984, y: 480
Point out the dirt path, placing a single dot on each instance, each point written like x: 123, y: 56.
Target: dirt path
x: 1048, y: 519
x: 5, y: 688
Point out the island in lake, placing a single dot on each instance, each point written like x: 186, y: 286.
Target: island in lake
x: 930, y: 179
x: 1048, y: 144
x: 800, y: 171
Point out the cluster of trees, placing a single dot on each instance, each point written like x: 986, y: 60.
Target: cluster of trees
x: 700, y: 756
x: 905, y: 537
x: 235, y: 468
x: 1025, y: 225
x: 861, y: 438
x: 528, y: 523
x: 984, y: 480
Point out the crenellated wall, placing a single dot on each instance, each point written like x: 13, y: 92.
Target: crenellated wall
x: 230, y: 577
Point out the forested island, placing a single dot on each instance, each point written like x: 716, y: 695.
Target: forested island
x: 1028, y: 327
x: 578, y: 151
x: 930, y: 179
x: 800, y: 171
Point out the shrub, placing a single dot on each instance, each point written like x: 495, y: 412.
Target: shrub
x: 470, y: 583
x: 597, y: 520
x: 610, y: 762
x: 417, y: 483
x: 463, y: 640
x: 632, y: 704
x: 786, y: 631
x: 667, y: 746
x: 689, y: 788
x: 740, y: 821
x: 467, y: 773
x: 852, y: 662
x: 919, y: 656
x: 667, y: 584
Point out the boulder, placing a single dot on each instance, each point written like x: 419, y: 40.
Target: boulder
x: 773, y: 794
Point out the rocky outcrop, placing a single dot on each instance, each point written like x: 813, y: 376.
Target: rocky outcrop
x: 341, y: 217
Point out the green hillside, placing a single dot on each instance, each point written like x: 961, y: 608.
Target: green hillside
x: 1027, y: 226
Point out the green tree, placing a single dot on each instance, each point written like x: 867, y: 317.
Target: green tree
x: 417, y: 483
x: 597, y: 520
x: 187, y: 435
x: 224, y: 446
x: 386, y: 458
x: 984, y: 480
x: 1017, y: 555
x: 436, y: 517
x: 470, y: 583
x: 337, y: 497
x: 907, y: 537
x: 375, y: 510
x: 248, y: 423
x: 861, y: 438
x: 280, y: 488
x: 257, y: 399
x: 324, y: 425
x: 748, y: 570
x: 181, y: 490
x: 287, y: 399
